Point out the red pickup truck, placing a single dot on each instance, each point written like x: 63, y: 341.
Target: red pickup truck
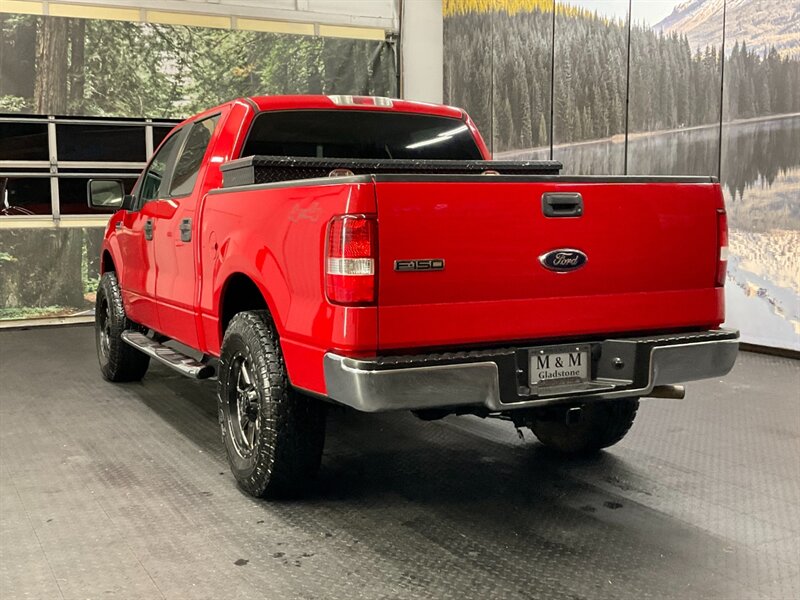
x: 366, y: 252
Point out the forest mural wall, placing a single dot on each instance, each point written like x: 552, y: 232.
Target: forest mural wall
x: 703, y: 96
x: 91, y: 67
x: 49, y: 272
x: 66, y: 66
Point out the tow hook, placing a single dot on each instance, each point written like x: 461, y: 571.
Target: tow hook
x: 573, y: 416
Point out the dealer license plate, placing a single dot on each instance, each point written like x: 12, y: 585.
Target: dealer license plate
x: 559, y: 366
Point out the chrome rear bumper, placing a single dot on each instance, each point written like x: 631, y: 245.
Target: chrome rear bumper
x: 496, y: 379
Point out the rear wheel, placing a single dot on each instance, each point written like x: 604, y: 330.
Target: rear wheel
x: 601, y: 424
x: 273, y: 435
x: 118, y: 361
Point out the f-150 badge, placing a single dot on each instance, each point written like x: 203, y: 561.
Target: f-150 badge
x: 420, y: 264
x: 563, y: 260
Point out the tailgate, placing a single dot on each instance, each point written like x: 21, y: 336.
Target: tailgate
x: 650, y: 247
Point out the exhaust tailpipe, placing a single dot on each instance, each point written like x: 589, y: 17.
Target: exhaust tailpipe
x: 675, y: 392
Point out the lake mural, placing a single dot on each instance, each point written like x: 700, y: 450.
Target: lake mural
x: 680, y: 92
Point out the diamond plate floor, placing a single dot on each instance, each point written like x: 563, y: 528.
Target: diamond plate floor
x: 123, y: 491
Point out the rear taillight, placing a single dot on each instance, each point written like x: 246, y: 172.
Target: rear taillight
x: 722, y: 246
x: 350, y: 258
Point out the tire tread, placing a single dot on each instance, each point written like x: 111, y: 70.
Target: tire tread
x: 294, y: 424
x: 125, y: 363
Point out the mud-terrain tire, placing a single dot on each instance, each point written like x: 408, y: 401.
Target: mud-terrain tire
x: 118, y: 361
x: 602, y: 424
x: 273, y: 434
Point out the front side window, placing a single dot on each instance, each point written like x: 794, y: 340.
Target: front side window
x: 194, y: 149
x: 153, y: 182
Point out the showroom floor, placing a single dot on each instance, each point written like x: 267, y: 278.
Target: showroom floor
x: 123, y: 491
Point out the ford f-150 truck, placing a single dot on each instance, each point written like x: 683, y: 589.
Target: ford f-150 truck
x: 367, y: 252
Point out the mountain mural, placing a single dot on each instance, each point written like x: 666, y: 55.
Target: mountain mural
x: 763, y: 23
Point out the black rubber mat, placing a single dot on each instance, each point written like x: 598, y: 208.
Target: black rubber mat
x: 123, y: 491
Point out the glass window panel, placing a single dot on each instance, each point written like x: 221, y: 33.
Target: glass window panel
x: 674, y: 91
x: 591, y: 54
x: 23, y: 141
x: 101, y: 143
x: 25, y: 196
x: 521, y: 72
x: 468, y: 66
x: 760, y: 177
x: 360, y: 134
x: 73, y: 195
x: 188, y: 165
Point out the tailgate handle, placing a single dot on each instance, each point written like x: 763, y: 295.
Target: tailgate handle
x: 562, y: 204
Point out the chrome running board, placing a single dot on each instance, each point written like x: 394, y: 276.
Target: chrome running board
x: 185, y: 365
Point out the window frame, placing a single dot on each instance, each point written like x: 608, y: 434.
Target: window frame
x: 54, y: 169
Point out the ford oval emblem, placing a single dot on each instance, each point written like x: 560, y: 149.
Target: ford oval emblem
x: 563, y: 260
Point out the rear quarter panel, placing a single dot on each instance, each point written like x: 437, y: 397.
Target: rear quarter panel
x: 275, y: 235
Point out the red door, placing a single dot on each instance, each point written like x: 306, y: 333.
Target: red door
x: 136, y: 237
x: 137, y: 277
x: 175, y: 237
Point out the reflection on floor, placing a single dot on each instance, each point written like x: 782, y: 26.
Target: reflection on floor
x: 124, y: 492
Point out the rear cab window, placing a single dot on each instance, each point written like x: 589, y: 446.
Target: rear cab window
x: 360, y: 134
x: 173, y: 170
x: 194, y: 149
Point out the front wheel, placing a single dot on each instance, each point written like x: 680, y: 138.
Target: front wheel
x: 273, y: 435
x: 118, y: 361
x: 601, y: 424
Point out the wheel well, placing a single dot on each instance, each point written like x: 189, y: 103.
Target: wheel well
x: 108, y: 263
x: 239, y: 294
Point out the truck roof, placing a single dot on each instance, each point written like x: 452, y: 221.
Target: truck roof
x: 346, y: 102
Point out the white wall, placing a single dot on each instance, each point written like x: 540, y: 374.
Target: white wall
x: 422, y: 50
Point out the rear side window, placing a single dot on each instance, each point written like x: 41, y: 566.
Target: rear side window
x: 194, y: 149
x: 360, y: 134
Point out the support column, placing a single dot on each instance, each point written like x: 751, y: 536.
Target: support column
x: 422, y: 48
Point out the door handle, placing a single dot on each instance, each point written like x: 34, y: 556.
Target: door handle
x: 562, y: 204
x: 186, y: 230
x: 148, y: 229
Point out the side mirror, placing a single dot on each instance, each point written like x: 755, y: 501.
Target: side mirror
x: 106, y: 194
